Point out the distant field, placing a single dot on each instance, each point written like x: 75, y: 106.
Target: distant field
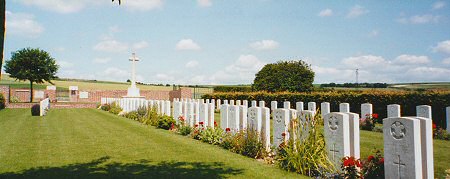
x: 443, y: 85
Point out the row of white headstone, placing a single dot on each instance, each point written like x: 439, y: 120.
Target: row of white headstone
x: 194, y: 112
x: 44, y: 106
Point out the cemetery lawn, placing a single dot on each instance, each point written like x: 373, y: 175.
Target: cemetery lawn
x: 89, y: 143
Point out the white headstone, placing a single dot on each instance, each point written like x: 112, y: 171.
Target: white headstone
x: 204, y: 115
x: 299, y: 106
x: 287, y: 105
x: 225, y: 101
x: 280, y: 126
x: 190, y: 114
x: 243, y: 117
x: 424, y: 111
x: 238, y: 102
x: 168, y: 109
x: 233, y: 118
x: 337, y: 136
x: 325, y: 108
x: 448, y: 118
x: 262, y: 104
x: 354, y: 134
x: 254, y: 103
x: 84, y: 95
x: 196, y: 112
x: 231, y: 102
x: 426, y: 138
x: 218, y: 104
x: 245, y: 103
x: 211, y: 115
x: 366, y: 110
x: 312, y: 106
x: 224, y: 116
x: 402, y: 150
x: 255, y: 119
x: 344, y: 107
x: 393, y: 110
x: 207, y: 101
x: 177, y: 111
x: 265, y: 128
x: 273, y: 105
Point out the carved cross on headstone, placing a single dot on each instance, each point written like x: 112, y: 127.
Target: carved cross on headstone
x: 399, y: 164
x: 334, y: 152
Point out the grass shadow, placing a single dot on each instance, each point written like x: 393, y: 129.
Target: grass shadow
x: 101, y: 168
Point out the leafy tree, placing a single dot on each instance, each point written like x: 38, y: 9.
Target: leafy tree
x: 34, y: 65
x: 292, y: 76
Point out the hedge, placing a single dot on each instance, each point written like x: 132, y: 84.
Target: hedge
x: 2, y: 101
x: 233, y: 89
x: 438, y: 100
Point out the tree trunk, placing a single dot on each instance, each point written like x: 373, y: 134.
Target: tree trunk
x: 31, y: 91
x: 2, y: 32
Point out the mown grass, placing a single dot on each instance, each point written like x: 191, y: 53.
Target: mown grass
x: 88, y: 143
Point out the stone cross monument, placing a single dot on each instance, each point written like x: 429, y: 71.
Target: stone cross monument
x: 133, y: 91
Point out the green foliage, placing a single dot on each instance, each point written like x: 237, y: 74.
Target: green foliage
x: 441, y: 134
x: 132, y: 115
x: 367, y: 123
x: 105, y: 107
x: 379, y: 99
x: 211, y: 135
x: 115, y: 108
x: 185, y: 130
x: 151, y: 117
x: 2, y: 101
x: 14, y: 99
x: 141, y: 111
x: 373, y: 167
x: 245, y: 143
x: 34, y: 65
x: 292, y: 76
x: 233, y: 89
x: 165, y: 122
x: 351, y: 167
x: 306, y: 155
x: 36, y: 110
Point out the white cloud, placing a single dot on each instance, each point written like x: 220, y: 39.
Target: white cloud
x: 164, y: 77
x: 411, y: 59
x: 443, y: 47
x: 143, y: 5
x: 265, y: 45
x: 187, y: 44
x: 419, y: 19
x: 140, y: 45
x: 325, y: 13
x: 22, y: 24
x: 374, y: 33
x: 357, y: 11
x: 438, y: 5
x: 365, y: 61
x: 446, y: 61
x: 60, y: 6
x: 241, y: 71
x: 65, y: 64
x: 204, y: 3
x: 101, y: 60
x: 111, y: 46
x: 192, y: 64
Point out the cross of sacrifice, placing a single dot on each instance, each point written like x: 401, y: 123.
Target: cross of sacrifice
x: 399, y: 164
x: 133, y: 60
x: 334, y: 152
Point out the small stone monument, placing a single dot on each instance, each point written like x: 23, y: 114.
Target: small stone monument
x: 233, y: 118
x: 273, y: 105
x: 299, y: 106
x: 190, y: 114
x: 287, y: 105
x: 393, y: 110
x: 245, y: 103
x: 366, y: 110
x: 254, y: 103
x: 224, y: 116
x: 337, y: 136
x: 312, y: 106
x: 254, y: 119
x: 280, y: 126
x: 242, y: 117
x: 344, y: 107
x: 204, y: 114
x: 262, y: 104
x: 133, y: 91
x: 265, y: 127
x: 325, y: 108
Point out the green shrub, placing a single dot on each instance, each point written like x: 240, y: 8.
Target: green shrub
x: 211, y: 135
x: 166, y: 122
x: 115, y: 109
x: 408, y: 100
x: 36, y: 110
x: 2, y: 101
x: 185, y: 130
x: 151, y: 117
x: 245, y: 143
x: 132, y: 115
x: 373, y: 167
x: 441, y: 134
x: 141, y: 111
x: 306, y: 155
x: 14, y: 99
x: 233, y: 89
x: 105, y: 107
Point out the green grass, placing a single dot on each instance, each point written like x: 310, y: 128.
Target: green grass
x: 88, y: 143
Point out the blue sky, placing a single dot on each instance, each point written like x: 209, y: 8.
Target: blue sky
x: 227, y: 42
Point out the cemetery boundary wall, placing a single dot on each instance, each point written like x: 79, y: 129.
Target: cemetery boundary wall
x: 379, y: 99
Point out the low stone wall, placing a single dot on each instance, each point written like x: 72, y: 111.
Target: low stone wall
x: 53, y: 105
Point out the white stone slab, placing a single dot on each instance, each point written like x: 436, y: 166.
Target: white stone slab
x: 225, y: 101
x: 265, y: 128
x: 423, y: 111
x: 325, y: 108
x: 312, y: 106
x: 402, y: 150
x: 254, y: 103
x: 245, y: 103
x: 426, y: 138
x: 243, y: 117
x: 366, y: 110
x: 344, y: 107
x: 238, y: 102
x: 211, y: 122
x: 233, y: 118
x: 232, y: 102
x: 393, y: 110
x: 190, y: 113
x: 219, y: 102
x: 337, y: 136
x: 299, y: 106
x: 287, y: 105
x: 262, y: 104
x: 196, y: 112
x: 273, y: 105
x: 224, y: 116
x: 204, y: 115
x: 354, y: 134
x: 280, y: 126
x: 255, y: 119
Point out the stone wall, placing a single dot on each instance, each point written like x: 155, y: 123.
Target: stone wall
x: 54, y: 105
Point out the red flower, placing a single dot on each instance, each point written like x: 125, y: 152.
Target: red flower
x: 196, y: 125
x: 358, y: 164
x: 201, y: 123
x: 181, y: 118
x: 349, y: 161
x: 375, y: 115
x: 381, y: 161
x: 283, y: 134
x: 370, y: 158
x: 172, y: 126
x: 434, y: 126
x: 215, y: 123
x: 227, y: 129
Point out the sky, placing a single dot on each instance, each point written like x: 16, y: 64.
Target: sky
x: 228, y: 42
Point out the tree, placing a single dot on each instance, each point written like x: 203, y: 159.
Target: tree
x: 34, y: 65
x: 292, y: 76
